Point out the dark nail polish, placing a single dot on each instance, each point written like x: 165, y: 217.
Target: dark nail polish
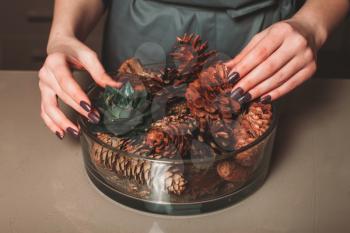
x: 73, y: 132
x: 245, y: 99
x: 94, y: 117
x: 265, y: 99
x: 233, y: 77
x: 237, y: 93
x: 85, y: 106
x: 59, y: 135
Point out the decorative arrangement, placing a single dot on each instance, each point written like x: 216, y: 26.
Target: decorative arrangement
x: 174, y: 133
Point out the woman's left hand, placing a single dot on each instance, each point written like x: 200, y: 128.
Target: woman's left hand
x: 274, y: 62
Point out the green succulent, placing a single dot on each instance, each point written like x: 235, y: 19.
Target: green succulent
x: 123, y: 111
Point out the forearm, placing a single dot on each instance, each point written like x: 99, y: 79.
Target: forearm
x: 322, y: 16
x: 74, y: 18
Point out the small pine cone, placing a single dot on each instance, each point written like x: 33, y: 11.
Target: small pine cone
x: 208, y: 97
x: 232, y: 172
x: 251, y: 125
x: 170, y: 137
x: 174, y: 181
x: 187, y: 59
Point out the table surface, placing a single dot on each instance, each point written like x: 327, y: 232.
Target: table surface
x: 44, y: 187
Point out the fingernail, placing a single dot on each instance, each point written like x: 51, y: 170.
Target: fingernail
x: 85, y: 106
x: 265, y: 100
x: 94, y: 116
x: 237, y: 93
x: 59, y: 135
x: 73, y: 132
x: 233, y: 77
x: 245, y: 99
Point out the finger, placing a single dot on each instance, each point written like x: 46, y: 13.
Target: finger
x: 51, y: 125
x: 291, y: 83
x: 290, y: 69
x: 89, y: 60
x: 60, y: 79
x: 267, y: 68
x: 50, y: 107
x: 252, y: 43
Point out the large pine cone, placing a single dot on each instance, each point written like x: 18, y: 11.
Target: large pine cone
x: 157, y: 177
x: 187, y: 60
x: 171, y: 136
x: 208, y: 99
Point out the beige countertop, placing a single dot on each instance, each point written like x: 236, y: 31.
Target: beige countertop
x: 44, y: 187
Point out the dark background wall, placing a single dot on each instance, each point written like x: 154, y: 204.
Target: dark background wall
x: 24, y: 28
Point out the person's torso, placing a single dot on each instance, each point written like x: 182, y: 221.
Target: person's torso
x: 147, y: 29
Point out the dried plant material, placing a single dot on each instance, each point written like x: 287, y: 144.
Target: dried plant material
x: 171, y: 136
x: 232, y: 172
x: 252, y: 125
x: 187, y: 59
x: 145, y: 172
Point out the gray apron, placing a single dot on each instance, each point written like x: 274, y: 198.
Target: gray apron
x: 147, y: 29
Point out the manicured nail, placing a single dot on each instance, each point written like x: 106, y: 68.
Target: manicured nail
x: 245, y: 99
x: 233, y: 77
x: 237, y: 93
x: 265, y: 100
x: 73, y: 132
x: 94, y: 117
x: 59, y: 135
x: 85, y: 106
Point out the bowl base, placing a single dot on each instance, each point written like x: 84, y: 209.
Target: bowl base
x: 180, y: 209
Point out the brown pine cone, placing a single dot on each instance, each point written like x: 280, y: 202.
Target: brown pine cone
x: 157, y: 176
x: 174, y: 181
x: 170, y: 137
x: 103, y: 156
x: 151, y: 80
x: 188, y: 58
x: 208, y: 97
x: 250, y: 126
x: 232, y: 172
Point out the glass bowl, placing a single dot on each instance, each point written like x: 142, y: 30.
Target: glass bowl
x: 177, y: 186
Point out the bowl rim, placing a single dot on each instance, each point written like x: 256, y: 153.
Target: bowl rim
x: 226, y: 154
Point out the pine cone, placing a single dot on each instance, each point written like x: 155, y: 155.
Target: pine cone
x: 252, y: 125
x: 151, y: 80
x: 174, y: 181
x: 208, y: 96
x: 101, y: 155
x: 170, y: 137
x: 232, y: 172
x: 208, y: 99
x: 187, y: 59
x: 156, y: 176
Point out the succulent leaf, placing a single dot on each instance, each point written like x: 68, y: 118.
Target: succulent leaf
x: 124, y: 111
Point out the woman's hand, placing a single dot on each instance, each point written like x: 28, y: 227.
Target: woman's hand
x: 56, y: 80
x: 276, y: 61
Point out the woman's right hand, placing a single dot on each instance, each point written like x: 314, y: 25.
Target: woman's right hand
x: 56, y: 80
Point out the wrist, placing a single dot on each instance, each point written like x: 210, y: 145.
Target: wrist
x: 57, y: 40
x: 313, y: 28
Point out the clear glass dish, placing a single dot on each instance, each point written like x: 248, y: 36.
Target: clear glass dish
x: 176, y: 186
